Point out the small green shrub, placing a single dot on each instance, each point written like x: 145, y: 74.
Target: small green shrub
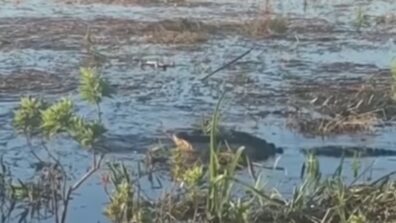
x: 42, y: 120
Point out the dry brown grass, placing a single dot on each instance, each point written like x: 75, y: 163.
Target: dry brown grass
x: 190, y: 32
x: 265, y: 23
x: 342, y: 108
x: 176, y: 37
x: 179, y: 31
x: 338, y: 125
x: 264, y: 26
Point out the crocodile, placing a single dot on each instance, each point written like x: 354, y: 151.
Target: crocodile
x: 256, y: 149
x: 349, y: 151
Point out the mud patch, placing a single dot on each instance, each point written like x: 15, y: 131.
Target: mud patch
x: 35, y: 81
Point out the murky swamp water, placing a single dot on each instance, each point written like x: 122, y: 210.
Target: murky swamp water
x: 41, y: 46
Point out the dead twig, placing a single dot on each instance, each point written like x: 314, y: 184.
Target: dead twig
x: 227, y: 64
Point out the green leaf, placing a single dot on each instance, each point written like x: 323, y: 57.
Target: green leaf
x: 84, y: 132
x: 27, y: 118
x: 81, y: 131
x: 93, y: 88
x: 56, y: 119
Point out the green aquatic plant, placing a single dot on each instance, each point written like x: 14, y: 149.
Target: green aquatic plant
x: 94, y: 88
x: 221, y: 206
x: 57, y: 117
x: 357, y: 218
x: 193, y: 176
x: 84, y: 132
x: 278, y: 25
x: 45, y: 121
x: 125, y: 203
x: 27, y: 119
x: 185, y: 167
x: 361, y: 18
x: 356, y: 164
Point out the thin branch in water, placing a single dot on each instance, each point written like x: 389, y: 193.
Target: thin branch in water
x: 30, y: 145
x: 99, y: 111
x: 227, y: 64
x: 58, y: 163
x: 76, y: 185
x: 88, y: 174
x: 384, y: 178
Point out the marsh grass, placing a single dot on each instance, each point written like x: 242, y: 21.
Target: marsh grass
x: 265, y: 24
x: 330, y: 199
x: 179, y: 31
x: 163, y: 36
x: 361, y: 19
x: 340, y: 124
x: 209, y: 196
x: 354, y: 108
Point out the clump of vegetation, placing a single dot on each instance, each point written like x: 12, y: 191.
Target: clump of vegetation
x: 264, y: 25
x: 361, y: 19
x: 39, y: 120
x: 126, y: 203
x: 181, y: 31
x: 351, y: 108
x: 278, y: 25
x: 340, y: 124
x: 176, y: 37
